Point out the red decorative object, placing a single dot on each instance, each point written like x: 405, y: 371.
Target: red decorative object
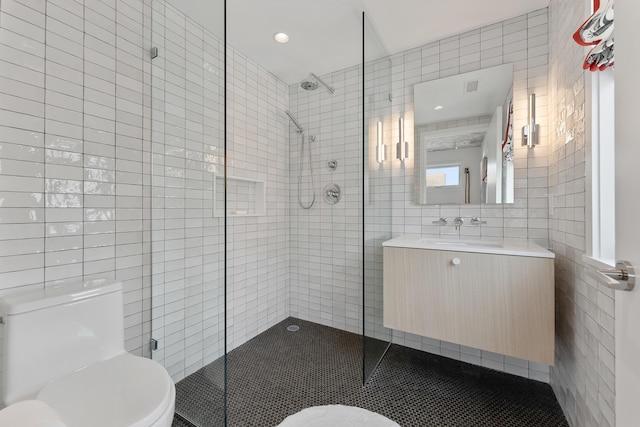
x: 597, y: 31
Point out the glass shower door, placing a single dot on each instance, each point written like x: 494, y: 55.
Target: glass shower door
x: 377, y: 160
x: 187, y: 194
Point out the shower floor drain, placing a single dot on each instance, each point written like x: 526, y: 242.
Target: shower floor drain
x: 293, y: 328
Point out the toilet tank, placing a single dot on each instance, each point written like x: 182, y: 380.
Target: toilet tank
x: 52, y: 332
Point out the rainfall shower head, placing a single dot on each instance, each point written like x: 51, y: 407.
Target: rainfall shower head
x: 312, y: 84
x: 309, y: 84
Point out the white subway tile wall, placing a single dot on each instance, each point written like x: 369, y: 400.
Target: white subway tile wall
x: 584, y: 376
x: 72, y: 75
x: 326, y: 240
x: 258, y: 249
x: 98, y: 180
x: 188, y: 241
x: 522, y: 41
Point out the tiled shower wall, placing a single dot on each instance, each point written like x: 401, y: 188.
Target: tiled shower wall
x: 584, y: 376
x: 522, y: 41
x: 75, y: 129
x: 75, y: 157
x: 187, y: 151
x: 188, y: 240
x: 326, y: 240
x: 258, y: 250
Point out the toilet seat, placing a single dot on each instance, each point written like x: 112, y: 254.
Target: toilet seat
x: 125, y: 390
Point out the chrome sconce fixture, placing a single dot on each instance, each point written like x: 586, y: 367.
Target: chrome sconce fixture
x: 530, y: 131
x: 402, y: 147
x: 381, y: 154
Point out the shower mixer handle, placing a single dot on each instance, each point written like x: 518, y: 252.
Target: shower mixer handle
x: 332, y: 194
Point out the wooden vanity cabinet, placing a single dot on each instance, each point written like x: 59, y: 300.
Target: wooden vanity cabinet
x: 499, y: 303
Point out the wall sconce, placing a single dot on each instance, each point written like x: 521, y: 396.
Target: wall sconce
x: 530, y: 131
x: 381, y: 154
x: 402, y: 147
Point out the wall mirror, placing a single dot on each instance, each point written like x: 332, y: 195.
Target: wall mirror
x: 464, y: 138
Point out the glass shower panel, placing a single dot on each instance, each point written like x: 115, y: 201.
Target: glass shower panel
x: 378, y: 157
x: 187, y: 234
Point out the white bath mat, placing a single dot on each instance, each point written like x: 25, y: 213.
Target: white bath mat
x: 336, y: 416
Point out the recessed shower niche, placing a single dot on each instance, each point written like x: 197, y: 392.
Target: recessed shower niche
x: 245, y: 196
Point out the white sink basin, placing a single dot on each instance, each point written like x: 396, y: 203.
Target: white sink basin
x: 489, y: 246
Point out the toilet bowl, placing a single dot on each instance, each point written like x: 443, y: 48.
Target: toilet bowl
x: 64, y: 350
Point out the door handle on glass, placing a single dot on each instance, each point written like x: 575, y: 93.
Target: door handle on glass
x: 621, y: 278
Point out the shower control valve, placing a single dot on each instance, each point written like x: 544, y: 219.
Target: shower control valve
x: 332, y: 194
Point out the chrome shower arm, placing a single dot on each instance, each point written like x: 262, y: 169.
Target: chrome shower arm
x: 331, y: 89
x: 295, y: 122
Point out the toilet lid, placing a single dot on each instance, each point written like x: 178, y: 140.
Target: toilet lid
x: 125, y: 390
x: 30, y: 413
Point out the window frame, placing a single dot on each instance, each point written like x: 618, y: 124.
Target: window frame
x: 600, y: 195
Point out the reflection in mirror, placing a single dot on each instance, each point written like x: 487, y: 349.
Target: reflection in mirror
x: 463, y: 138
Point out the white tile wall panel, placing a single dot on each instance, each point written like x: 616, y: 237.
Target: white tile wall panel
x: 318, y: 233
x: 187, y: 151
x: 80, y: 116
x: 584, y: 376
x: 66, y: 202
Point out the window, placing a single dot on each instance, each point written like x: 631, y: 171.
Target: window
x: 443, y: 176
x: 603, y: 167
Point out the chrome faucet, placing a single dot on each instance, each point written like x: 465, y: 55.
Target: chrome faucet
x: 476, y: 221
x: 441, y: 221
x: 458, y: 222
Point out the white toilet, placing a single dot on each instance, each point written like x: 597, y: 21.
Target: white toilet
x: 64, y: 360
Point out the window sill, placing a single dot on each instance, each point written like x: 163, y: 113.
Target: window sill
x: 597, y: 263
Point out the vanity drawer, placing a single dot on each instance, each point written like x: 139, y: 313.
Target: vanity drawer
x: 499, y: 303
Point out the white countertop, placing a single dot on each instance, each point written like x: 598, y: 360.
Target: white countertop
x: 472, y: 244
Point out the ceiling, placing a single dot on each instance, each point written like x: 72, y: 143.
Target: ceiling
x: 492, y: 85
x: 326, y: 34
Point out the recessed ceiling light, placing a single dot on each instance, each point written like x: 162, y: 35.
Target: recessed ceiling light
x: 281, y: 37
x: 438, y: 107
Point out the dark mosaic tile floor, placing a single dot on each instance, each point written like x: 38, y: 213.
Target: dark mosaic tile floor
x: 279, y: 373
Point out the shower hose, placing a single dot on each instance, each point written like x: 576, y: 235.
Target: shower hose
x: 300, y: 170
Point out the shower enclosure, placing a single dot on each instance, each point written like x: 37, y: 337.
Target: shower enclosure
x: 187, y: 200
x: 267, y: 200
x: 376, y: 189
